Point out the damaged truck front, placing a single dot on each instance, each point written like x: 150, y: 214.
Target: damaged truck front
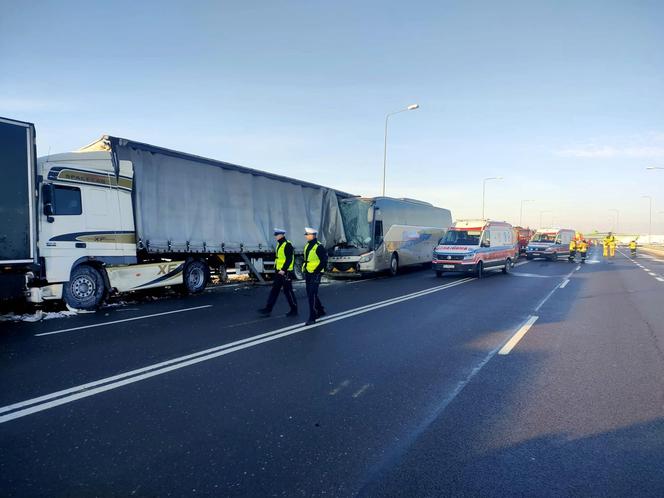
x: 119, y: 216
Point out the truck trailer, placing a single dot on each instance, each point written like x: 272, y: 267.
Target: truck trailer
x: 119, y: 215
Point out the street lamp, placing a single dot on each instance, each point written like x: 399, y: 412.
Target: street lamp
x: 650, y: 217
x: 523, y: 201
x: 617, y: 218
x: 484, y: 189
x: 411, y: 107
x: 541, y: 213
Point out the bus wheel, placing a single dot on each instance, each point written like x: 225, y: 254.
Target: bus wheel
x: 196, y: 276
x: 508, y: 265
x: 394, y: 264
x: 479, y: 270
x: 85, y: 289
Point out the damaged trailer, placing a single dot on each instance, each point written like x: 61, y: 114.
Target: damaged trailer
x: 119, y: 215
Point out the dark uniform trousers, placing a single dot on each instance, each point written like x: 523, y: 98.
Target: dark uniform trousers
x: 312, y: 281
x: 285, y: 281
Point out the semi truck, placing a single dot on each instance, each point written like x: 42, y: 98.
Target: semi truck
x: 119, y: 215
x: 386, y: 234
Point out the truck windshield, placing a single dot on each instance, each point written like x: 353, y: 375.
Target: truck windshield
x: 355, y: 216
x: 544, y: 237
x: 462, y: 238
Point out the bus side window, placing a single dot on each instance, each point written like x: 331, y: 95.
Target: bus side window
x: 378, y: 232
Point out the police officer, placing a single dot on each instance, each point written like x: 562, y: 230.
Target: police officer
x: 283, y: 276
x: 315, y: 261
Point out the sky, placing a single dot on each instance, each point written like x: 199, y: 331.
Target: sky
x: 563, y: 99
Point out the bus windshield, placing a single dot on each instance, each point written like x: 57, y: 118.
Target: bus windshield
x: 462, y: 238
x: 544, y: 237
x: 355, y: 216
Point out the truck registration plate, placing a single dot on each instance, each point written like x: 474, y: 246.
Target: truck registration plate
x: 448, y: 266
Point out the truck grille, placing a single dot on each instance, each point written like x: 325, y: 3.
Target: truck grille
x: 449, y: 257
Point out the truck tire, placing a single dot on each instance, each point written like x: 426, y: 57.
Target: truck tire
x: 508, y: 266
x: 297, y: 267
x: 85, y: 289
x: 553, y: 257
x: 195, y: 276
x: 439, y: 273
x: 394, y: 264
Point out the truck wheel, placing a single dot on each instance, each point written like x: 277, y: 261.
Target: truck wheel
x: 196, y: 276
x: 85, y: 289
x: 508, y: 266
x: 554, y: 257
x: 297, y: 267
x: 529, y: 258
x: 394, y: 264
x: 439, y: 273
x: 479, y: 270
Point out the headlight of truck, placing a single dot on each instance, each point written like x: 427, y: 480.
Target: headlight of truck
x: 366, y: 257
x: 470, y: 255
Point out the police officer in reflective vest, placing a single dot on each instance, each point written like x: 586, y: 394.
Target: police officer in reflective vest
x: 283, y: 274
x: 315, y: 261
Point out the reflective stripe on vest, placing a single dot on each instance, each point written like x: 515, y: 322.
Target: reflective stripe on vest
x: 311, y: 259
x: 280, y: 261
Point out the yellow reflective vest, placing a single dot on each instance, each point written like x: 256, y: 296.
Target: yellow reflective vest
x: 582, y: 246
x: 572, y: 245
x: 311, y: 259
x: 632, y: 244
x: 280, y: 260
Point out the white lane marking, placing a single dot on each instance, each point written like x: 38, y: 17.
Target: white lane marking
x: 548, y: 296
x: 359, y: 393
x: 533, y: 275
x: 645, y: 269
x: 509, y: 345
x: 121, y: 321
x: 564, y: 284
x: 339, y: 387
x: 659, y: 279
x: 107, y: 384
x: 577, y: 268
x: 652, y: 274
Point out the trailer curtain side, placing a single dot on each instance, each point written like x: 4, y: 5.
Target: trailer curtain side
x: 186, y: 203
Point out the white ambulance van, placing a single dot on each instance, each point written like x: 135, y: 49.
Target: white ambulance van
x: 475, y: 246
x: 550, y: 243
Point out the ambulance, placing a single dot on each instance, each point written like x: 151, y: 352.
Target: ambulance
x: 476, y: 246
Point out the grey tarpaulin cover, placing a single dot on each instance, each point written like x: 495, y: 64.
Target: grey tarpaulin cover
x: 183, y: 199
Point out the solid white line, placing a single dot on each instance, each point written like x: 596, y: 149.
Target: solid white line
x: 564, y: 284
x: 109, y: 383
x: 121, y: 321
x: 509, y: 345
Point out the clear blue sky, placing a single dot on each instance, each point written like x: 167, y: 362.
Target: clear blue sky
x: 565, y: 99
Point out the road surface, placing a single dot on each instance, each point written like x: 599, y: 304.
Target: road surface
x: 548, y: 381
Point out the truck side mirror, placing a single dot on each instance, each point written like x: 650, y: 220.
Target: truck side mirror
x: 48, y: 199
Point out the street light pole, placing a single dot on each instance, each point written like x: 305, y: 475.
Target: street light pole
x: 650, y: 218
x: 617, y: 219
x: 484, y: 189
x: 523, y: 201
x: 411, y: 107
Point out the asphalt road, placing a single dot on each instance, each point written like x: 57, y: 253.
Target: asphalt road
x: 545, y: 382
